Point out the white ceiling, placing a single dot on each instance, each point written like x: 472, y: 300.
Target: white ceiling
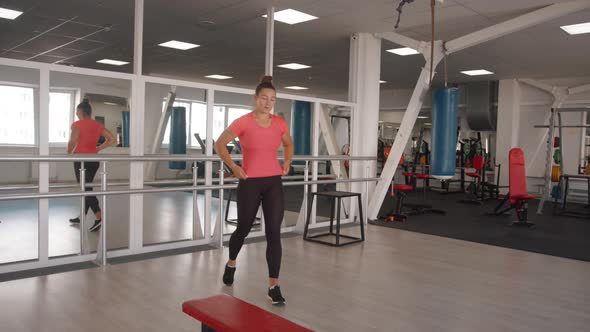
x: 234, y: 45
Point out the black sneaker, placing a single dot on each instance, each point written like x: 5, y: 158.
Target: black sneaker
x: 228, y: 275
x: 75, y: 220
x: 96, y: 225
x: 275, y: 296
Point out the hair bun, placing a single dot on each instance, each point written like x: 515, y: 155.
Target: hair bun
x: 266, y: 79
x: 85, y: 101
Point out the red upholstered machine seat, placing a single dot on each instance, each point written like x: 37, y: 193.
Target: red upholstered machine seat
x: 225, y: 313
x: 478, y: 163
x: 403, y: 187
x: 521, y: 197
x: 422, y: 176
x: 518, y: 196
x: 517, y: 177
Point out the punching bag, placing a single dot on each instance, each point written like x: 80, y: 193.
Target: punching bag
x: 301, y: 129
x: 177, y: 136
x: 444, y: 132
x: 125, y: 126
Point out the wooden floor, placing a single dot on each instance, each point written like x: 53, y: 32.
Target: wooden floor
x: 395, y: 281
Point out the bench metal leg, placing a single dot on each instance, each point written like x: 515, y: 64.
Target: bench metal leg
x: 332, y: 207
x: 309, y: 208
x: 338, y: 222
x: 362, y: 217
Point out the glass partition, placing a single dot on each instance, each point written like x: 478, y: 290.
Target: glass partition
x: 176, y: 123
x: 19, y: 114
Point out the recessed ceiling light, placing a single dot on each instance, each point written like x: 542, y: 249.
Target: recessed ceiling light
x: 427, y: 124
x: 9, y: 13
x: 291, y: 16
x: 178, y: 45
x: 422, y: 117
x: 219, y: 77
x: 381, y: 82
x: 112, y: 62
x: 477, y: 72
x: 403, y: 51
x: 576, y: 29
x: 109, y: 103
x: 294, y: 66
x: 296, y: 87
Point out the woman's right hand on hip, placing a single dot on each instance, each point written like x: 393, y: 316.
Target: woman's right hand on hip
x: 239, y: 172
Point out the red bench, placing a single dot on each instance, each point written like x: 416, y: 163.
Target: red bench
x: 223, y: 313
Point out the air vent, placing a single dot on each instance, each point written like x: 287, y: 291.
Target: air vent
x: 482, y: 105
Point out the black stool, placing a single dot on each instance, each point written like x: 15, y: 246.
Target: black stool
x: 334, y: 195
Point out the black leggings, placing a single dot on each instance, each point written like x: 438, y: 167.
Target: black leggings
x: 91, y: 168
x: 251, y: 192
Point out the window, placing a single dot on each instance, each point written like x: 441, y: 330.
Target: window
x: 61, y: 108
x: 197, y: 120
x: 218, y: 121
x: 17, y: 115
x: 234, y: 113
x: 187, y: 106
x: 196, y: 113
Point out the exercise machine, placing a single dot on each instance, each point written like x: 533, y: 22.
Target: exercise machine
x: 517, y: 197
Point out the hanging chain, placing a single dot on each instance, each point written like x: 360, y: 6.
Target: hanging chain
x: 432, y: 5
x: 445, y: 59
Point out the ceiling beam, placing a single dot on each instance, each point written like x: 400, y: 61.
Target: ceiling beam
x: 399, y: 39
x: 516, y: 24
x: 539, y: 85
x: 578, y: 89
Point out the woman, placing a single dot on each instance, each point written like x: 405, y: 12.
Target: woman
x: 84, y: 137
x: 261, y: 134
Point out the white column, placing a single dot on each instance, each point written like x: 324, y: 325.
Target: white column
x: 43, y: 233
x: 315, y: 151
x: 509, y: 100
x: 270, y: 38
x: 365, y: 72
x: 405, y: 130
x: 208, y: 164
x: 136, y: 138
x: 138, y: 39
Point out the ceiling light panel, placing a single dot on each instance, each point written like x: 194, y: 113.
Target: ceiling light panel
x: 9, y: 13
x: 179, y: 45
x: 112, y: 62
x: 294, y: 66
x: 403, y: 51
x: 219, y: 77
x: 291, y: 16
x: 477, y: 72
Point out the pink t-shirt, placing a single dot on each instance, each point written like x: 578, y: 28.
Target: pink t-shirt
x: 90, y: 131
x: 260, y: 145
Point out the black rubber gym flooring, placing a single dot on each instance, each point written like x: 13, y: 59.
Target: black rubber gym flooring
x: 552, y: 235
